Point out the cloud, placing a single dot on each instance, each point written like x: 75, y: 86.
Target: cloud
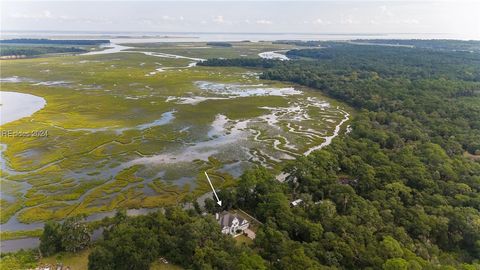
x: 411, y: 21
x: 348, y: 19
x: 384, y: 10
x: 146, y: 21
x: 46, y: 14
x: 219, y: 19
x: 386, y: 16
x: 93, y: 21
x: 319, y: 21
x: 263, y: 21
x: 168, y: 18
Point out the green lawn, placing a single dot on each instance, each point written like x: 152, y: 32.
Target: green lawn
x: 242, y: 239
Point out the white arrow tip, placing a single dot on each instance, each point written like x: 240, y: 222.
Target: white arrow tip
x: 219, y: 203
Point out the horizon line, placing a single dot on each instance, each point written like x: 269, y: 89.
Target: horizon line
x: 229, y: 32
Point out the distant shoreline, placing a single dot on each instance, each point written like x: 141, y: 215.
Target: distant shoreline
x: 222, y: 36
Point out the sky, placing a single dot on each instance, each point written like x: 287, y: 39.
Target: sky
x: 453, y: 17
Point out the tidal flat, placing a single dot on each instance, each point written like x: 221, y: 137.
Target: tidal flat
x: 137, y: 128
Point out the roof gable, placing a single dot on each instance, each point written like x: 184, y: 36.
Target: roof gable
x: 226, y: 219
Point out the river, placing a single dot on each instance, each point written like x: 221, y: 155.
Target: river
x: 14, y: 106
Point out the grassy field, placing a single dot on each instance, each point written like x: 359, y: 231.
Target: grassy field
x: 243, y: 240
x: 76, y: 261
x: 131, y: 130
x: 79, y: 261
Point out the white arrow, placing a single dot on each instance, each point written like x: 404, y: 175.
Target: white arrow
x: 215, y: 193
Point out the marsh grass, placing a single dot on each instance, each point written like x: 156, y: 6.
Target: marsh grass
x: 9, y: 235
x: 92, y: 116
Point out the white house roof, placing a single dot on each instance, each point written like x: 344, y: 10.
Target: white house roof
x: 226, y: 219
x: 296, y: 202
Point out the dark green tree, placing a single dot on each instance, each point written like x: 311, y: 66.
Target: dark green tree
x: 51, y: 238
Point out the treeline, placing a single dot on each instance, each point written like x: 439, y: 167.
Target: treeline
x: 412, y: 63
x: 34, y: 50
x: 301, y: 43
x: 54, y: 41
x: 241, y: 62
x: 431, y: 44
x: 434, y: 44
x: 219, y: 44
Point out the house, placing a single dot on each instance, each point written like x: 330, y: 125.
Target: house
x: 231, y: 223
x: 297, y: 202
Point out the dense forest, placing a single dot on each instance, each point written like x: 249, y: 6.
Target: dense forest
x: 395, y: 193
x: 301, y: 43
x: 400, y: 191
x: 434, y: 44
x: 25, y: 47
x: 219, y: 44
x: 10, y: 50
